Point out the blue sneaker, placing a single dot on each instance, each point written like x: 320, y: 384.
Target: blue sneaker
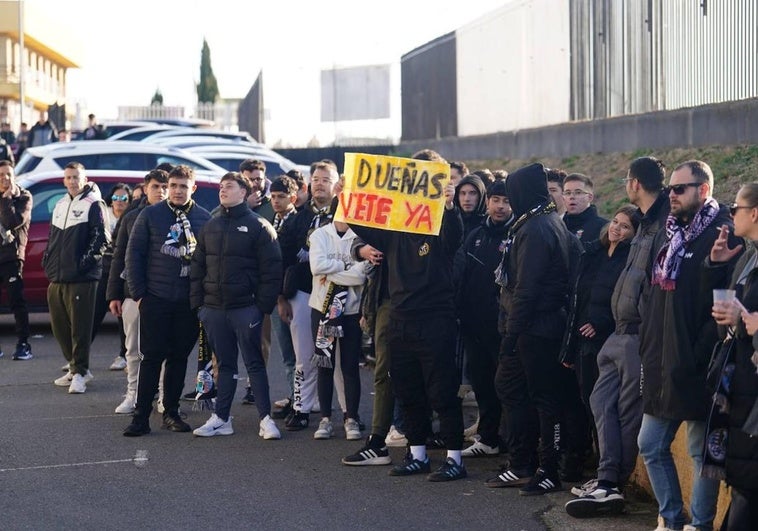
x: 411, y: 466
x: 23, y: 352
x: 449, y: 471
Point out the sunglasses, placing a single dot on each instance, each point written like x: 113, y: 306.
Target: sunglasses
x: 735, y: 207
x: 679, y: 189
x: 124, y: 197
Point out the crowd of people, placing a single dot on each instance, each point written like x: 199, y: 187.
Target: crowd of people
x: 586, y: 341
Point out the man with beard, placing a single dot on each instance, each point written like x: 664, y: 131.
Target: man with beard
x: 676, y: 340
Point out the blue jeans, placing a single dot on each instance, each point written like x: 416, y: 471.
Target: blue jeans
x: 656, y: 436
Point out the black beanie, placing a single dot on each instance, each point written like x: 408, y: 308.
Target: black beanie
x: 497, y: 188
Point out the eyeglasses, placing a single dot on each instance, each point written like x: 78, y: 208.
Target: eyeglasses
x: 679, y: 189
x: 735, y: 207
x: 626, y: 180
x: 574, y: 193
x: 124, y: 197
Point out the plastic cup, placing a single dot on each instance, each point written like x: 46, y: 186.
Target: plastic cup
x: 724, y: 295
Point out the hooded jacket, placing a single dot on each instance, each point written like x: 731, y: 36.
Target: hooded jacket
x: 473, y: 219
x: 118, y: 288
x: 537, y: 266
x: 77, y: 238
x: 15, y: 217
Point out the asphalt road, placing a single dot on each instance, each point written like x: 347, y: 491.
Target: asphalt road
x: 65, y: 464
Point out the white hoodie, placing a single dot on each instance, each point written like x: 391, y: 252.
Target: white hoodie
x: 331, y: 261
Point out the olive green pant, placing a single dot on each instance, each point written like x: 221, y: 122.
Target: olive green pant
x: 384, y: 396
x: 72, y: 309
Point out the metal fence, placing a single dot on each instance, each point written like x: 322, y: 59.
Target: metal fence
x: 635, y: 56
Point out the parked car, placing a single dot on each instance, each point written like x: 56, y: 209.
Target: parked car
x: 105, y: 155
x: 210, y: 133
x: 137, y: 134
x: 47, y: 188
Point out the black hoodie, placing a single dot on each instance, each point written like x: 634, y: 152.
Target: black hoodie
x: 586, y: 225
x: 474, y: 219
x: 534, y: 296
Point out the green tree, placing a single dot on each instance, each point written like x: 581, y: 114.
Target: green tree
x: 157, y: 98
x: 207, y: 89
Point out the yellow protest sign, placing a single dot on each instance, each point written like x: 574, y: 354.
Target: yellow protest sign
x: 393, y: 193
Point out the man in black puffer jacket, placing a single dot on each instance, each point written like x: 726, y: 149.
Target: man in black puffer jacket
x: 535, y: 276
x: 235, y: 280
x: 157, y: 270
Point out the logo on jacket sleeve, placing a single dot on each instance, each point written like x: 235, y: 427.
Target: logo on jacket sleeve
x: 242, y: 228
x: 424, y: 249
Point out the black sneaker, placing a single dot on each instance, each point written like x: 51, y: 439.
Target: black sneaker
x: 284, y: 412
x: 411, y: 466
x: 137, y: 428
x: 434, y: 441
x: 190, y: 397
x: 449, y: 471
x: 23, y: 352
x: 249, y: 398
x: 173, y: 422
x: 374, y: 453
x: 299, y: 421
x: 509, y: 477
x: 541, y: 483
x: 602, y: 500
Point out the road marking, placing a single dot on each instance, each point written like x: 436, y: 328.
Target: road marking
x: 139, y: 460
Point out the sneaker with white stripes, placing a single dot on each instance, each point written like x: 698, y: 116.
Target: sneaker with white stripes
x: 602, y: 500
x: 509, y: 477
x: 449, y: 471
x: 541, y: 483
x: 586, y: 488
x: 479, y: 449
x: 374, y: 453
x: 411, y: 466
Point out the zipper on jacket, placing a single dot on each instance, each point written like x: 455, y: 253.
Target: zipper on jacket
x: 222, y: 261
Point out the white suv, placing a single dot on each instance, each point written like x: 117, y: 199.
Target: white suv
x: 105, y: 155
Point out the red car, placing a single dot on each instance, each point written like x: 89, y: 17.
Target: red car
x: 47, y: 188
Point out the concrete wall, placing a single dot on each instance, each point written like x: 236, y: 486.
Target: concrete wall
x: 728, y: 123
x: 514, y: 68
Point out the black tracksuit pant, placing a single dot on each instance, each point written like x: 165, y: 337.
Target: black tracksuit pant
x: 527, y: 380
x: 424, y: 375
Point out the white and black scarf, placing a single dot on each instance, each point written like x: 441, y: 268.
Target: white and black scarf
x: 180, y: 241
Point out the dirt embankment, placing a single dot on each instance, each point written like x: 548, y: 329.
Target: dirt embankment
x: 731, y: 165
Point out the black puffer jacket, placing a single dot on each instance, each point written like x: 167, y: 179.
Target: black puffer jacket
x: 118, y: 288
x: 237, y: 262
x: 534, y: 296
x: 149, y: 271
x: 77, y: 238
x: 678, y: 333
x: 15, y: 216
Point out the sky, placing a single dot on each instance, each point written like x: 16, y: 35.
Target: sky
x: 130, y: 52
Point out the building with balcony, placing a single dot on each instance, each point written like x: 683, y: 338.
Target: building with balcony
x: 49, y: 51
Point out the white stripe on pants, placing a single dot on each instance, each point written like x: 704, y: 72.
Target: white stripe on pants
x: 306, y: 374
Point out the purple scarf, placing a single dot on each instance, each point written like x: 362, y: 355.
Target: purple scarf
x: 669, y: 260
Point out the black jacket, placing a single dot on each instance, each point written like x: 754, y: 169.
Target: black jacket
x: 118, y: 288
x: 77, y: 238
x: 741, y: 448
x: 419, y: 267
x: 474, y: 219
x: 586, y: 225
x: 678, y: 333
x: 537, y: 267
x: 15, y: 216
x: 150, y: 270
x: 293, y: 241
x: 237, y: 262
x: 477, y: 293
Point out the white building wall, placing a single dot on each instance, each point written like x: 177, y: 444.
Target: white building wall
x: 513, y: 68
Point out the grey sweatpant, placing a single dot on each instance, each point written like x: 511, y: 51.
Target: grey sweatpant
x: 617, y: 407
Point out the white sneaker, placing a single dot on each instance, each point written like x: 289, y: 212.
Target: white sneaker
x: 325, y: 429
x: 127, y: 406
x: 479, y: 449
x: 65, y: 380
x: 119, y: 364
x: 268, y: 429
x: 78, y: 385
x: 469, y: 399
x: 160, y: 407
x: 214, y: 426
x: 471, y: 434
x: 585, y: 489
x: 352, y: 430
x: 395, y: 439
x: 689, y: 527
x: 66, y: 367
x: 281, y: 404
x: 662, y: 525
